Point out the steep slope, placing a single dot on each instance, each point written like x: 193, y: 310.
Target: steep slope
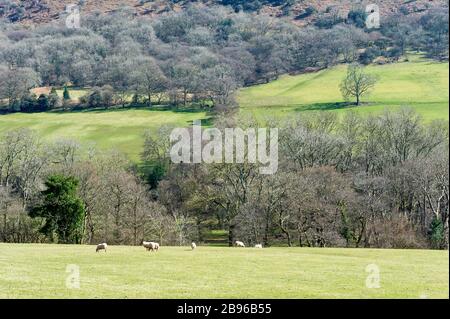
x: 301, y: 12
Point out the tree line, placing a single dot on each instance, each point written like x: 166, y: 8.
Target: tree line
x: 374, y: 181
x: 198, y: 56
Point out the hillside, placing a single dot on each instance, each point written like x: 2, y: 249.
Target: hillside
x: 420, y: 84
x: 120, y: 129
x: 301, y: 12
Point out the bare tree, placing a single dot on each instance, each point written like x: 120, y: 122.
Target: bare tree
x: 15, y: 83
x: 357, y: 83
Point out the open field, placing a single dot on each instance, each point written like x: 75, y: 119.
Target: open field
x: 39, y: 271
x: 420, y: 84
x: 121, y: 129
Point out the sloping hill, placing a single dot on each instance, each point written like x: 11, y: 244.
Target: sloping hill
x: 301, y: 12
x: 420, y: 84
x: 122, y: 129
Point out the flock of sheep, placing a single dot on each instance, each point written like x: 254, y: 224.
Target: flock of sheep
x: 152, y: 246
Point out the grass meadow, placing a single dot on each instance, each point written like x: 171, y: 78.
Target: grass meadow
x: 41, y: 271
x: 419, y: 84
x: 120, y: 128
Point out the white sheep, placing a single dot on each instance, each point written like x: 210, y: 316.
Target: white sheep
x: 101, y: 247
x: 259, y: 246
x: 149, y: 245
x: 239, y: 243
x: 193, y: 246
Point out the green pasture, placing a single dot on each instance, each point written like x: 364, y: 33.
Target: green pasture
x: 49, y: 271
x: 419, y: 83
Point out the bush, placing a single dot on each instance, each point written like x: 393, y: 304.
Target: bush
x: 396, y: 232
x: 327, y: 22
x: 369, y: 55
x: 53, y: 99
x: 95, y: 98
x: 436, y: 233
x: 394, y: 53
x: 98, y: 97
x: 306, y: 13
x: 357, y: 17
x: 28, y: 103
x: 42, y: 104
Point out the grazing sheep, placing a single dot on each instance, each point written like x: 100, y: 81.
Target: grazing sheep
x: 149, y: 245
x: 146, y: 245
x: 101, y: 247
x: 258, y: 246
x: 239, y: 244
x: 193, y: 246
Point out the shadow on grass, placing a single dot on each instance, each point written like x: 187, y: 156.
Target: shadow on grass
x: 324, y: 106
x: 134, y: 108
x: 206, y: 122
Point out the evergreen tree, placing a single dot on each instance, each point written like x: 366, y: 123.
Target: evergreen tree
x: 62, y: 209
x: 42, y: 103
x: 66, y: 94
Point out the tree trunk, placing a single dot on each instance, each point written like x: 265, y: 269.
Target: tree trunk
x: 288, y: 235
x: 230, y: 235
x: 266, y: 234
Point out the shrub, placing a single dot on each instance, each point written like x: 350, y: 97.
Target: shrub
x: 357, y: 17
x: 42, y: 104
x: 436, y: 233
x: 369, y: 55
x: 306, y: 13
x: 327, y: 22
x: 28, y: 103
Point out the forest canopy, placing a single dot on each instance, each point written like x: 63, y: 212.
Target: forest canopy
x: 200, y: 55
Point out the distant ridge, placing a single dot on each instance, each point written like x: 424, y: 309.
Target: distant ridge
x: 302, y: 12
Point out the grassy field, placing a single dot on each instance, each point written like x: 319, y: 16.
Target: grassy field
x: 39, y: 271
x: 121, y: 129
x: 420, y: 84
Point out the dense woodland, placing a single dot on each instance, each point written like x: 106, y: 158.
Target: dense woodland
x: 377, y: 181
x: 196, y: 57
x: 373, y: 181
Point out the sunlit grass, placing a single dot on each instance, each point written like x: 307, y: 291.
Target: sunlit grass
x: 120, y: 129
x: 39, y: 271
x: 420, y: 84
